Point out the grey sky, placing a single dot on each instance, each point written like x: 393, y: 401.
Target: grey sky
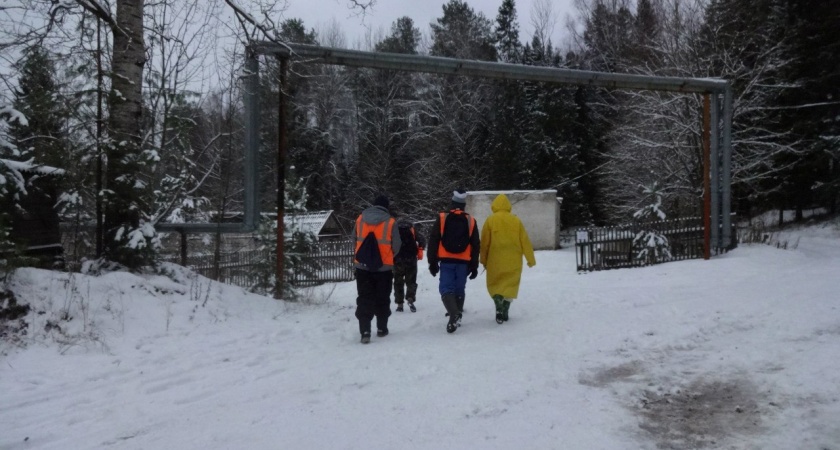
x: 318, y: 13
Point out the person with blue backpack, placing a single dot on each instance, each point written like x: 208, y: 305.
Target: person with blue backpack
x: 454, y: 246
x: 377, y: 241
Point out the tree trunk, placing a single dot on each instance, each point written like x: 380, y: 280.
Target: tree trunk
x: 123, y: 206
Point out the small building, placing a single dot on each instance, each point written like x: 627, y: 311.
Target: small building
x: 323, y: 224
x: 538, y: 210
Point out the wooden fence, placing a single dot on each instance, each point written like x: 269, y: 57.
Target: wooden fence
x: 612, y: 247
x: 329, y: 261
x: 237, y: 268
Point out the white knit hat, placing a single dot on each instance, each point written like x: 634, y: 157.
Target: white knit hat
x: 459, y: 196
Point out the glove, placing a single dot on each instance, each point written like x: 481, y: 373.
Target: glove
x: 434, y: 269
x: 419, y: 253
x: 474, y: 273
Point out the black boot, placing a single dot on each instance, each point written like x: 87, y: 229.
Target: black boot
x: 450, y: 302
x: 364, y: 329
x: 381, y: 327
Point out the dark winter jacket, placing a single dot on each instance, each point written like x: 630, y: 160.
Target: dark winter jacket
x: 434, y: 241
x: 412, y: 244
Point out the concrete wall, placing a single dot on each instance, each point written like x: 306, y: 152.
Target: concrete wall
x: 539, y: 211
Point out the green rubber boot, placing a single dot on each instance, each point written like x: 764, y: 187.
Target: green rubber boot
x: 505, y: 309
x: 499, y: 300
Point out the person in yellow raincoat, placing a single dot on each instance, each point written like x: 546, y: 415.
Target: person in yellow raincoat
x: 504, y: 242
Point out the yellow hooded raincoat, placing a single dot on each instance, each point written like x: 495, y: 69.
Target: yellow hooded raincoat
x: 503, y: 243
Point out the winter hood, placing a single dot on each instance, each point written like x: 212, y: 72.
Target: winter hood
x: 501, y: 203
x: 375, y: 215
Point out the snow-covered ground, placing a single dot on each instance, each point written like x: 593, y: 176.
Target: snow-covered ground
x: 740, y: 352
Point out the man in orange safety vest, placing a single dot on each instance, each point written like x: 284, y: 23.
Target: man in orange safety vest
x: 454, y: 247
x: 377, y: 241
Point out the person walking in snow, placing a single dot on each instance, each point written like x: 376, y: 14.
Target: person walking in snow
x: 405, y: 265
x: 453, y: 251
x: 504, y: 242
x: 377, y: 241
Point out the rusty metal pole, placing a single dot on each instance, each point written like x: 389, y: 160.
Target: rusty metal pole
x: 281, y: 175
x: 183, y: 234
x: 707, y: 182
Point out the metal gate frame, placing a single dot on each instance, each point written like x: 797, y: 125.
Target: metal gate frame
x: 717, y: 109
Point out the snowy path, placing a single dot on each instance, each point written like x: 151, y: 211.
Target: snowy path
x: 740, y: 352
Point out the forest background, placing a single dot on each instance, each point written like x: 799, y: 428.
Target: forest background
x: 140, y: 105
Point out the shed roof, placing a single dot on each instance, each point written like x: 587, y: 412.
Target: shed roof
x: 310, y: 221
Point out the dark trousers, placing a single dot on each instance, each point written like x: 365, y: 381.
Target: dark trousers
x: 374, y: 299
x: 405, y: 282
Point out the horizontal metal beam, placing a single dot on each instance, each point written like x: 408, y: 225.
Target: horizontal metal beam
x: 171, y: 227
x: 497, y: 70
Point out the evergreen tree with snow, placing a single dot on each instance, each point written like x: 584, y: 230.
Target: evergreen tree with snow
x: 12, y: 185
x: 298, y: 245
x: 649, y: 244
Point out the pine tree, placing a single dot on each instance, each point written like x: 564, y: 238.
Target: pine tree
x: 404, y: 38
x: 646, y: 33
x: 37, y: 97
x: 40, y: 139
x: 457, y: 109
x: 12, y: 185
x: 506, y: 157
x: 297, y: 247
x: 508, y: 46
x: 810, y: 108
x: 386, y: 107
x: 745, y: 41
x: 608, y: 36
x: 649, y: 245
x: 462, y: 33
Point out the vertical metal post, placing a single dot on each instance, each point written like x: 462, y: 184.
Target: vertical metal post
x: 707, y: 185
x: 252, y: 139
x: 726, y: 169
x: 281, y: 173
x: 715, y: 170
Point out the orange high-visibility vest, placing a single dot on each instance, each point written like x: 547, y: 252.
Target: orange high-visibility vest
x: 465, y: 255
x: 382, y: 232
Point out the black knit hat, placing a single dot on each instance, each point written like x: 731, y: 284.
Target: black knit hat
x: 381, y: 200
